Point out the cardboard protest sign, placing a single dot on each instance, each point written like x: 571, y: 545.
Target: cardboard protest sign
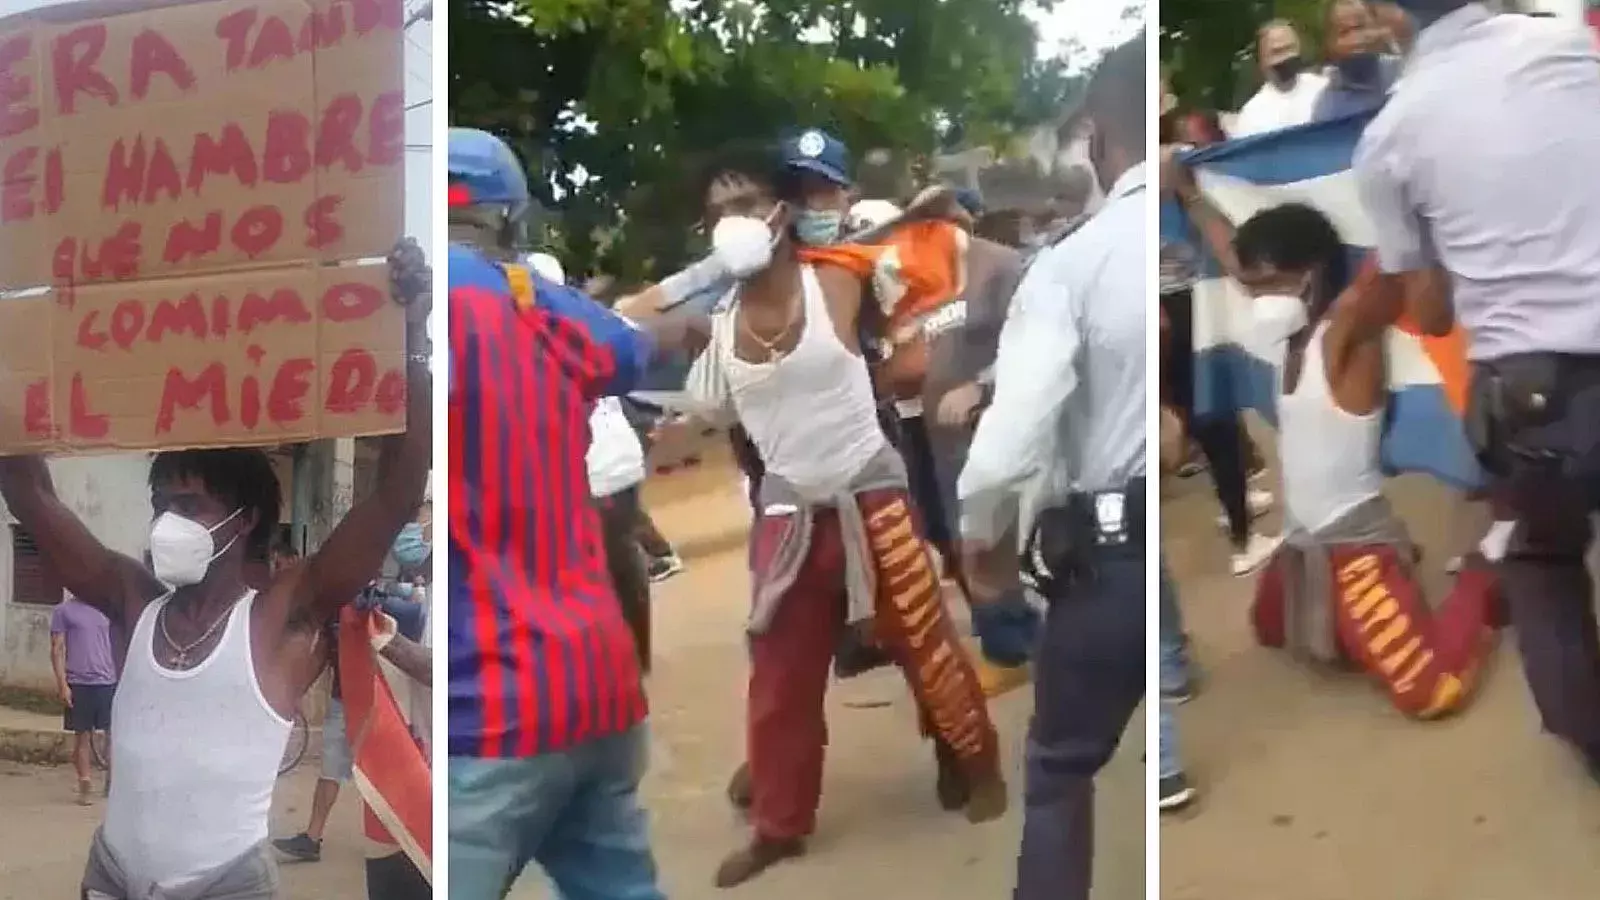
x: 187, y: 184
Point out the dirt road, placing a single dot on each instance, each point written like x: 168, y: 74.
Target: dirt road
x: 1315, y: 789
x: 44, y: 836
x: 881, y: 834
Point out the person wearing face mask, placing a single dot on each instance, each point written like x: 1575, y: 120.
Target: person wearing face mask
x: 1343, y: 589
x: 821, y: 164
x: 1477, y: 177
x: 1361, y: 65
x: 337, y: 760
x: 215, y: 670
x: 1068, y: 420
x: 1289, y: 92
x: 834, y: 517
x: 402, y: 640
x: 547, y: 738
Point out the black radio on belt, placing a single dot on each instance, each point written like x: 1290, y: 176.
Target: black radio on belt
x: 1065, y: 539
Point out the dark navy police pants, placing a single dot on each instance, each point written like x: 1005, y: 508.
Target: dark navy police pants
x: 1088, y: 680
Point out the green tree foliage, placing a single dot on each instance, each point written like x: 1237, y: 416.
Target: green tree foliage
x: 612, y: 102
x: 1207, y: 46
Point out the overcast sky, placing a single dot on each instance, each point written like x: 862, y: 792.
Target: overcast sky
x: 419, y: 89
x: 1096, y: 24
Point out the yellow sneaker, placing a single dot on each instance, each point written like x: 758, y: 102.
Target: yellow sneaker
x: 996, y: 679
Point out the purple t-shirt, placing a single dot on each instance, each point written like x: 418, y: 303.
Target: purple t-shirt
x: 88, y: 637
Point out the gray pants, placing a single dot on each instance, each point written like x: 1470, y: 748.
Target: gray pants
x: 1088, y: 680
x: 253, y: 876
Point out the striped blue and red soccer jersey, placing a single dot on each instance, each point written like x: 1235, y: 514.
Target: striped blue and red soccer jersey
x: 540, y: 657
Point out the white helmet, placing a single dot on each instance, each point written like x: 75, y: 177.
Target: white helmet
x: 871, y: 213
x: 548, y: 267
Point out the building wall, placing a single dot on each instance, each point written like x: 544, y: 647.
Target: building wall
x: 111, y: 496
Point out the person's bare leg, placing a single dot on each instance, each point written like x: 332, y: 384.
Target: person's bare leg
x: 322, y: 800
x: 82, y: 765
x: 108, y: 763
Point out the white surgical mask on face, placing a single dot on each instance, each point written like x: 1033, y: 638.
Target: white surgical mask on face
x: 1279, y: 316
x: 182, y: 550
x: 744, y: 243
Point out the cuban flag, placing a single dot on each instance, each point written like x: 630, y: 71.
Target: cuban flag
x: 1234, y: 371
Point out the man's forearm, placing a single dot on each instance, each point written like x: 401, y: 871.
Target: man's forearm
x: 25, y: 482
x: 699, y: 277
x: 411, y: 658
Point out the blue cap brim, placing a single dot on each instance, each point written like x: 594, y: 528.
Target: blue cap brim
x: 821, y: 168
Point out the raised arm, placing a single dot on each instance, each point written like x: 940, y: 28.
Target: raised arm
x: 409, y: 657
x: 117, y: 585
x: 352, y: 555
x: 1215, y: 228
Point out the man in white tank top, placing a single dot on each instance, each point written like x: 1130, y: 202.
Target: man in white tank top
x: 1343, y: 589
x: 215, y: 670
x: 833, y: 519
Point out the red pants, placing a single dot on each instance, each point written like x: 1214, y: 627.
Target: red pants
x: 1427, y: 660
x: 790, y: 662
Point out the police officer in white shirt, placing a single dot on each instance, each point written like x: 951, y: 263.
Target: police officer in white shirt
x: 1289, y: 95
x: 1460, y: 238
x: 1069, y: 412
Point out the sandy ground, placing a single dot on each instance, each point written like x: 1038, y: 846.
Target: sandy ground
x: 1315, y: 789
x: 881, y: 834
x: 44, y: 836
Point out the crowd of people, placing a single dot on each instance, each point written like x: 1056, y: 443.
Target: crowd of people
x: 1456, y: 99
x: 899, y: 442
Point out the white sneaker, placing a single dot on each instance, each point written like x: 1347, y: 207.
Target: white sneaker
x: 1255, y: 554
x: 1257, y: 503
x: 1492, y: 548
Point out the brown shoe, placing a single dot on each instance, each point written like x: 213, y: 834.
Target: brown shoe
x: 761, y: 855
x: 951, y: 787
x: 986, y: 799
x: 740, y: 791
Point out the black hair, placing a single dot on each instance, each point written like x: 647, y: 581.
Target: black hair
x: 238, y: 476
x: 1295, y: 237
x: 1116, y: 95
x: 756, y: 161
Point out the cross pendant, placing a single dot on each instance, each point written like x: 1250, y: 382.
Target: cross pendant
x: 181, y: 660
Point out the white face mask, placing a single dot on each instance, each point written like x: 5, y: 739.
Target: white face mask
x: 182, y: 550
x: 1279, y: 316
x: 743, y: 244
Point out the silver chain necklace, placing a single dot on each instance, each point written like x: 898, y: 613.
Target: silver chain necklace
x: 182, y: 651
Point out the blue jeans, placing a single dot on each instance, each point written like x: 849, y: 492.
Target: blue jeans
x: 575, y: 813
x: 1007, y: 628
x: 1174, y: 671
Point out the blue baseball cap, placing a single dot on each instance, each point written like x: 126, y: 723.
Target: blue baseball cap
x: 971, y: 201
x: 483, y: 169
x: 815, y: 150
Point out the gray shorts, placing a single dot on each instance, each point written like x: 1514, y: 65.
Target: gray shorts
x: 337, y: 763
